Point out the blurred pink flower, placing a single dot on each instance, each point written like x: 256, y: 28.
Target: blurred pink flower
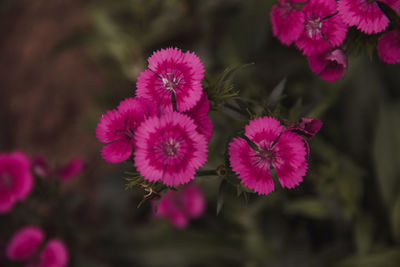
x: 71, y: 169
x: 16, y: 180
x: 389, y: 46
x: 54, y: 254
x: 117, y: 127
x: 24, y: 243
x: 284, y: 150
x: 287, y: 21
x: 366, y: 14
x: 323, y: 28
x: 179, y: 207
x: 329, y: 65
x: 169, y: 149
x: 171, y: 70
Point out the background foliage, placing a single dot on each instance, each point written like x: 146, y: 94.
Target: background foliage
x: 63, y: 63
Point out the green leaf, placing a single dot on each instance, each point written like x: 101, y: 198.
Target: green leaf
x: 276, y: 94
x: 386, y: 152
x: 386, y: 258
x: 364, y: 234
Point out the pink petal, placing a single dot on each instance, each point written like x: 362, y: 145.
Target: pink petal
x: 24, y: 243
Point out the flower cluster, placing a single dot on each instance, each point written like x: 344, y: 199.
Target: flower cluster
x: 165, y: 128
x: 268, y: 144
x: 318, y: 28
x: 180, y: 207
x: 16, y: 180
x: 28, y: 245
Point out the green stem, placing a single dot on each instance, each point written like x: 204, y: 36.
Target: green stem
x: 207, y: 173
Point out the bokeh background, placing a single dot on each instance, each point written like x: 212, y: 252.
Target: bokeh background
x: 64, y: 63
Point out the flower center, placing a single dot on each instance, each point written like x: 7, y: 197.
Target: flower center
x: 6, y: 180
x: 313, y: 27
x: 264, y: 157
x: 170, y: 147
x: 171, y: 82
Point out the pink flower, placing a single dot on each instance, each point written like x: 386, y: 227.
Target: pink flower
x: 172, y: 71
x: 116, y: 128
x: 389, y: 46
x: 169, y: 149
x: 54, y: 254
x: 329, y: 65
x: 16, y: 181
x: 199, y: 114
x: 24, y: 243
x: 306, y: 126
x: 287, y: 22
x: 365, y: 14
x: 323, y: 29
x: 179, y: 207
x: 284, y: 150
x: 393, y: 4
x: 71, y: 169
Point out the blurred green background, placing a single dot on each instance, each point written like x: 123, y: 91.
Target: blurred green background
x: 64, y: 63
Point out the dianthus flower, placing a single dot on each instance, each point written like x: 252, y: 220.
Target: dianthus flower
x: 199, y: 114
x: 323, y: 28
x: 169, y: 149
x: 16, y: 180
x: 172, y: 71
x: 117, y: 127
x: 287, y: 21
x: 71, y: 169
x: 181, y: 206
x: 283, y: 150
x: 329, y: 65
x: 366, y: 14
x: 389, y: 46
x: 54, y: 254
x: 24, y: 244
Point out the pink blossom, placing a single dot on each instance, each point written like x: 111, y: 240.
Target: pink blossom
x: 116, y: 128
x: 365, y: 14
x: 24, y: 243
x: 199, y: 114
x: 329, y: 65
x: 393, y: 4
x: 323, y: 29
x: 284, y: 150
x: 179, y: 207
x: 287, y: 22
x: 16, y: 181
x: 389, y: 46
x: 306, y: 126
x: 71, y: 169
x: 54, y: 254
x: 169, y: 149
x: 172, y: 71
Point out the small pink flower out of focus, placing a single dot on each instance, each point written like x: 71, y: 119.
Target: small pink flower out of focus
x: 25, y: 244
x: 71, y: 169
x: 16, y: 180
x: 180, y: 207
